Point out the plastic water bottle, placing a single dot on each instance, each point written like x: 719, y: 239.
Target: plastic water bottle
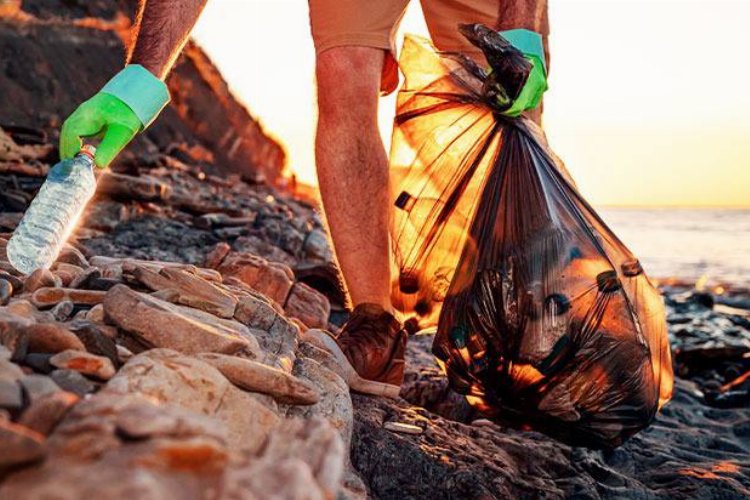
x: 54, y: 213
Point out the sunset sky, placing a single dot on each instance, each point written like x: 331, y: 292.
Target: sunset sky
x: 647, y: 104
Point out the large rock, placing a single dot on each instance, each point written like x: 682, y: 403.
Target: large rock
x: 308, y: 305
x: 192, y: 290
x: 303, y: 459
x: 161, y: 324
x: 168, y: 377
x: 270, y: 278
x: 124, y: 446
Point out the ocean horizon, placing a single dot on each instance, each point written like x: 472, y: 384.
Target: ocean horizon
x: 686, y: 243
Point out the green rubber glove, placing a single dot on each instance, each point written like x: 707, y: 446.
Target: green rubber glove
x: 126, y: 105
x: 530, y: 44
x: 104, y: 116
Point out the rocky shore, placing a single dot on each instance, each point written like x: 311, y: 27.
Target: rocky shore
x: 164, y: 356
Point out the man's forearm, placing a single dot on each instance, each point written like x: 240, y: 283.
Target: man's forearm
x: 162, y: 28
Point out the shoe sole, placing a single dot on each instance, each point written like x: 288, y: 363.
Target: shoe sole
x: 348, y: 373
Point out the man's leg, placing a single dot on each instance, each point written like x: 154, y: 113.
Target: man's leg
x: 353, y: 169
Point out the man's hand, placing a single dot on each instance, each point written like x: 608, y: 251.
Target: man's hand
x: 105, y: 116
x: 135, y: 96
x: 530, y: 43
x: 533, y: 90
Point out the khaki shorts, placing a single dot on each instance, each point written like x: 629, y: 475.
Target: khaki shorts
x: 373, y: 23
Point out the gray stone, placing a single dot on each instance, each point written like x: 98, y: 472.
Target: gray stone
x: 74, y: 382
x: 11, y: 397
x: 36, y: 386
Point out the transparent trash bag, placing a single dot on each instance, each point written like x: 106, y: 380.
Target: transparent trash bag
x: 545, y: 320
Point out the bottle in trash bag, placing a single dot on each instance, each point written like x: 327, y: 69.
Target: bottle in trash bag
x: 54, y: 212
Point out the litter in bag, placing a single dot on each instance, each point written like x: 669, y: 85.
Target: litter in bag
x: 545, y: 320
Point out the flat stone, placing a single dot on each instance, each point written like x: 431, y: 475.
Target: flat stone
x: 192, y: 290
x: 47, y: 297
x: 403, y: 428
x: 51, y: 338
x: 257, y: 377
x: 308, y: 305
x: 46, y: 411
x: 72, y: 381
x: 270, y: 278
x: 71, y: 255
x: 35, y: 385
x: 85, y: 363
x: 114, y: 267
x: 161, y: 324
x: 19, y: 445
x: 11, y: 396
x: 40, y: 278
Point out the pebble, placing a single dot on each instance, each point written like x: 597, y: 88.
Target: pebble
x: 63, y: 310
x: 124, y: 354
x: 35, y: 386
x: 39, y: 362
x: 403, y: 428
x: 51, y: 338
x: 483, y: 422
x: 39, y: 279
x: 11, y: 396
x: 44, y: 413
x: 6, y: 291
x: 20, y: 445
x: 85, y: 363
x: 72, y: 381
x: 95, y: 340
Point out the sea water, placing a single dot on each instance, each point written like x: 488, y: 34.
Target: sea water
x: 53, y: 213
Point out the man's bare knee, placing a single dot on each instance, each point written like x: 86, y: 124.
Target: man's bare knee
x: 348, y: 80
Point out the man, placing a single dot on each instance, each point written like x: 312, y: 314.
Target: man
x: 355, y: 47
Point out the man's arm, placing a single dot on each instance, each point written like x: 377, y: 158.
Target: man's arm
x: 134, y: 97
x: 161, y: 30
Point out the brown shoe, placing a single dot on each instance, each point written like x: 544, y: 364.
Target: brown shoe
x: 370, y: 350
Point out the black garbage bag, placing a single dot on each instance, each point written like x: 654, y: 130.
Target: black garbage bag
x: 545, y: 320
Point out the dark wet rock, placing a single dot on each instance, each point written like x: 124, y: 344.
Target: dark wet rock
x: 11, y: 396
x: 94, y: 339
x: 39, y: 362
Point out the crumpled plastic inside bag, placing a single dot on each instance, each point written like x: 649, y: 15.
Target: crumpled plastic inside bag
x: 545, y: 320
